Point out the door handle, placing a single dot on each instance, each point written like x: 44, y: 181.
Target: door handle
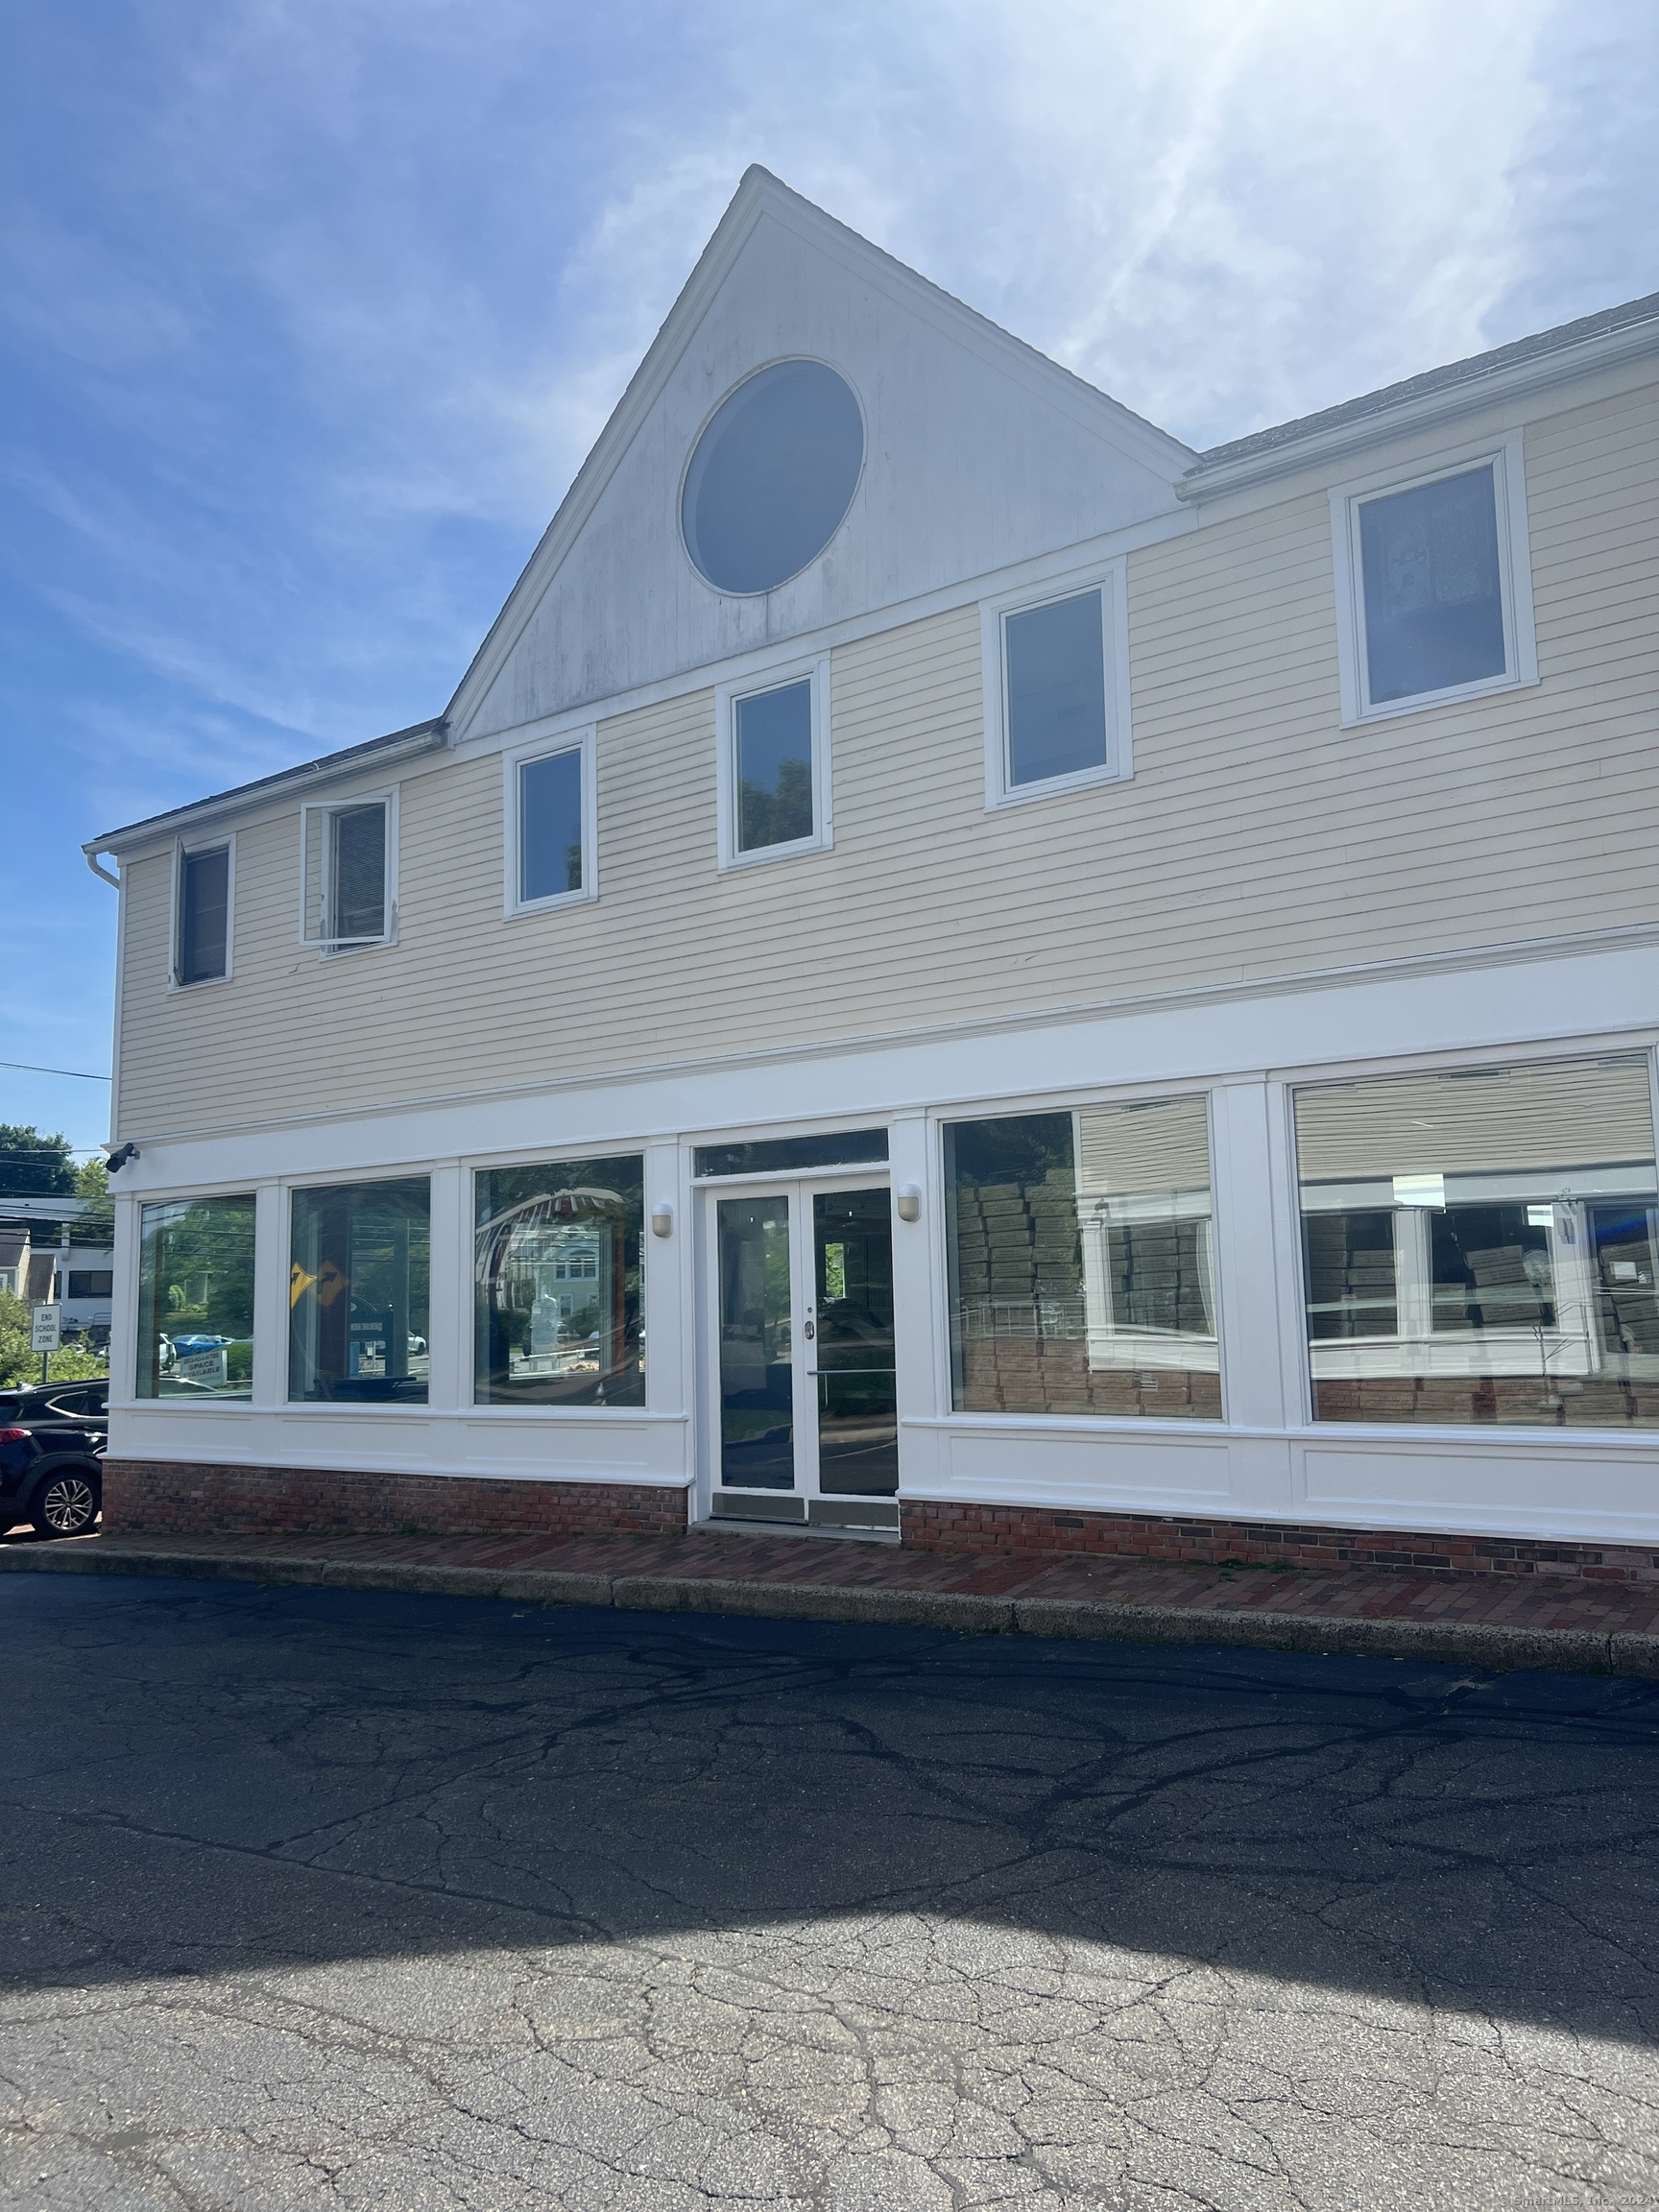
x: 808, y: 1330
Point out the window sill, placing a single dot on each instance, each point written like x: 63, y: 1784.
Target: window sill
x: 1055, y: 787
x: 550, y: 905
x: 1426, y: 701
x: 799, y: 849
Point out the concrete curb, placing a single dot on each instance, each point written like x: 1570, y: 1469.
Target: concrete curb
x: 1494, y: 1645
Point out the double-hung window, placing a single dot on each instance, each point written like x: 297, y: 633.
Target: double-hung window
x: 550, y: 824
x: 1056, y: 705
x: 202, y: 897
x: 774, y: 795
x: 348, y: 868
x: 1433, y: 585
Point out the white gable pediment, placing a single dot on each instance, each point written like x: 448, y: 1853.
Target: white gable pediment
x: 980, y: 454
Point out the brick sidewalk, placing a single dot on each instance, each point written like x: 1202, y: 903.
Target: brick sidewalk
x: 1533, y: 1620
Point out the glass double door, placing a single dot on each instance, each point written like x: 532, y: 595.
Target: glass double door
x: 805, y: 1386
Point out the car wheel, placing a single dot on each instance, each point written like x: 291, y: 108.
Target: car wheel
x: 66, y: 1504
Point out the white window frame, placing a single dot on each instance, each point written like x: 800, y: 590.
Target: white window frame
x: 521, y: 756
x: 1507, y: 459
x: 186, y: 849
x: 726, y: 700
x: 327, y: 946
x: 1111, y: 581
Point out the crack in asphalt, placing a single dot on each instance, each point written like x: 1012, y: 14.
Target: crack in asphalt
x: 344, y: 1900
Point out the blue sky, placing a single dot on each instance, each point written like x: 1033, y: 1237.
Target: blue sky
x: 311, y: 309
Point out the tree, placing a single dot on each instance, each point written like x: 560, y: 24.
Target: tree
x: 97, y: 1225
x: 18, y: 1365
x: 33, y: 1166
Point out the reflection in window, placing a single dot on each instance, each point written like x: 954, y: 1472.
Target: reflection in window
x: 1479, y: 1245
x: 1081, y: 1269
x: 768, y: 1155
x: 1056, y: 677
x: 756, y: 1370
x: 357, y: 891
x: 1432, y: 588
x: 203, y: 915
x: 556, y: 1284
x: 550, y: 825
x: 357, y: 1292
x: 774, y: 764
x: 195, y: 1299
x: 772, y: 476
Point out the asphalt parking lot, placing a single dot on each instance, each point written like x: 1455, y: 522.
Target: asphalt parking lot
x: 318, y: 1898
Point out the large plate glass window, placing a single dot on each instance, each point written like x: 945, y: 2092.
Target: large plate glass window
x: 348, y: 866
x: 772, y: 476
x: 557, y: 1278
x: 195, y: 1299
x: 1081, y: 1260
x: 1482, y: 1245
x: 202, y: 948
x: 360, y: 1268
x: 1433, y: 586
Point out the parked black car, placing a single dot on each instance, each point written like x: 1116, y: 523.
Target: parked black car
x: 50, y: 1443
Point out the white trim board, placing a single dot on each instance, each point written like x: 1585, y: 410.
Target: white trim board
x: 1493, y: 961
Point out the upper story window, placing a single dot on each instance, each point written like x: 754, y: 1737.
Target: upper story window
x: 1056, y: 716
x: 772, y: 476
x: 774, y: 768
x: 1433, y: 580
x: 550, y: 824
x: 202, y: 914
x: 348, y: 864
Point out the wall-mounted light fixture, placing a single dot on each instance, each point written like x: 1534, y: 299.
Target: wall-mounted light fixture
x: 909, y: 1201
x: 662, y: 1219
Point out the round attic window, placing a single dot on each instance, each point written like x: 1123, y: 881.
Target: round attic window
x: 772, y: 476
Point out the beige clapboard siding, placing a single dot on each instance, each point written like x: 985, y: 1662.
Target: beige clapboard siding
x: 1256, y: 838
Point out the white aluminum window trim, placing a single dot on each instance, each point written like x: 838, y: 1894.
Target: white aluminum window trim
x: 1111, y: 580
x: 188, y: 849
x: 726, y: 700
x: 1505, y: 456
x: 327, y: 945
x: 515, y: 760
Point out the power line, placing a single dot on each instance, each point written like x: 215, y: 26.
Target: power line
x: 29, y: 1068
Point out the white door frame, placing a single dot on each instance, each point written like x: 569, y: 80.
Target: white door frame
x: 799, y: 1185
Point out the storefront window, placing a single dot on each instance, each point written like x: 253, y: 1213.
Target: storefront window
x: 1081, y: 1270
x: 556, y: 1267
x: 1481, y: 1245
x: 357, y: 1293
x: 195, y: 1299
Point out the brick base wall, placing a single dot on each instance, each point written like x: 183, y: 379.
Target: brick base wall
x: 1034, y: 1529
x: 167, y: 1499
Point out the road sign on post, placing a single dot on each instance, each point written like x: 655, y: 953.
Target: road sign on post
x: 45, y: 1334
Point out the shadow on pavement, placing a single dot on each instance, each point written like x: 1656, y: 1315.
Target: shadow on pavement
x: 202, y: 1779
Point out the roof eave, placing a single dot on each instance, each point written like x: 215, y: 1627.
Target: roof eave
x: 1604, y: 350
x: 312, y: 776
